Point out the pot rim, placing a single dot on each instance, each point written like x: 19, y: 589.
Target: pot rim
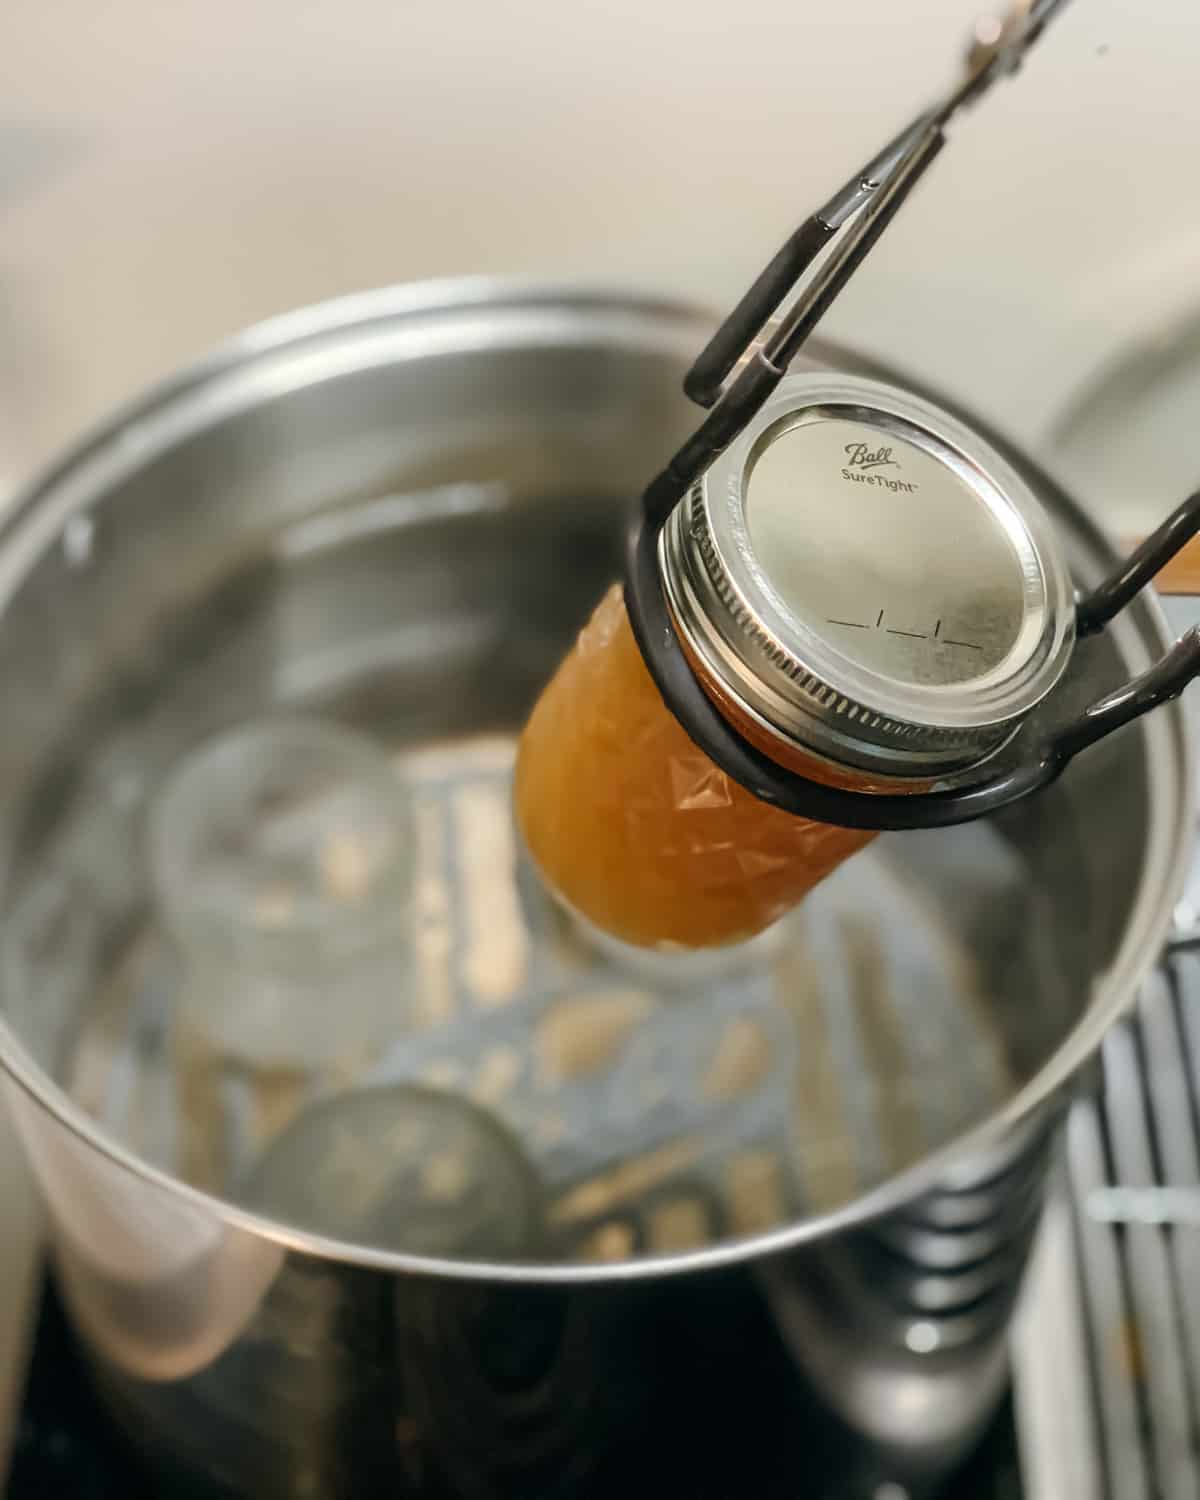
x: 128, y: 436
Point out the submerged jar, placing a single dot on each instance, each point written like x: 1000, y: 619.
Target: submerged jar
x: 282, y: 863
x: 866, y: 590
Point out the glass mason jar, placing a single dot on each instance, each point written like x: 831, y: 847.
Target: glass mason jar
x: 282, y: 860
x: 867, y: 590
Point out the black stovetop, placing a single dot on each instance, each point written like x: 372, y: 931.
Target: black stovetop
x: 66, y: 1449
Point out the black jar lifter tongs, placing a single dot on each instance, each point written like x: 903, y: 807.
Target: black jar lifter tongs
x: 847, y: 228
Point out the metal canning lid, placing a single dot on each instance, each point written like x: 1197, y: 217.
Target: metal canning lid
x: 867, y: 578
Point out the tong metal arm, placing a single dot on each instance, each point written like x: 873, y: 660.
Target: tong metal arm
x: 861, y: 210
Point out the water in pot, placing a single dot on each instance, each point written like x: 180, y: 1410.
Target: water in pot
x: 410, y: 1244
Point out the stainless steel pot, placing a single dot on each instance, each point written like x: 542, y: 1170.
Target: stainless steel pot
x: 395, y: 511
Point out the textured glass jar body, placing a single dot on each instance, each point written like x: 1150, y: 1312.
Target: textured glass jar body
x: 635, y: 827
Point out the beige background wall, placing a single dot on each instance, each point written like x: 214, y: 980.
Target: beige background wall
x: 172, y: 169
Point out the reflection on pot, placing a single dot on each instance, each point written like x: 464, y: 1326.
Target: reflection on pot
x: 163, y: 1285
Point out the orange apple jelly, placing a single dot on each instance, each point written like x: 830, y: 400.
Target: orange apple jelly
x: 635, y: 827
x: 865, y: 590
